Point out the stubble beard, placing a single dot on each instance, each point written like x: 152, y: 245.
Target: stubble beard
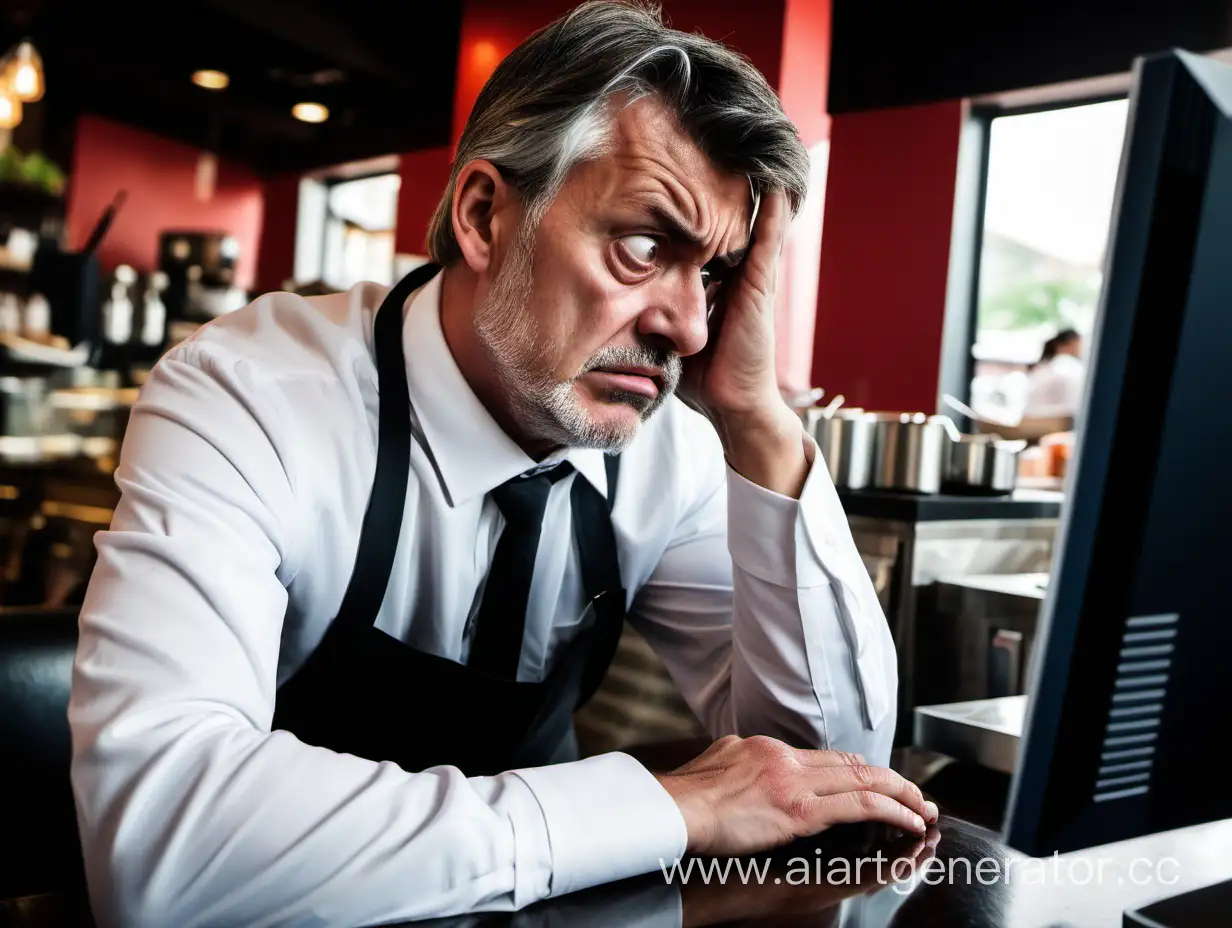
x: 548, y: 409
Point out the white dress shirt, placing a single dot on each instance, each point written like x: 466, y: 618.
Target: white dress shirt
x: 1054, y: 388
x: 245, y: 474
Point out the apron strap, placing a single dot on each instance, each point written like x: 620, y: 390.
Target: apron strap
x: 592, y: 529
x: 378, y: 538
x: 596, y: 541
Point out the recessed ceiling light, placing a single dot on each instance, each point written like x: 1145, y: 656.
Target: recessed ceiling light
x: 211, y: 80
x: 310, y: 112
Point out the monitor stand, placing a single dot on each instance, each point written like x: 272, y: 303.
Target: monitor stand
x: 1208, y: 907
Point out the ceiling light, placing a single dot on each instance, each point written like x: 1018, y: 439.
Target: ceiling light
x: 10, y: 109
x: 23, y: 73
x: 211, y: 80
x: 310, y: 112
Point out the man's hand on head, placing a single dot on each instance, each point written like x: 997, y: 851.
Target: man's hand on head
x: 744, y: 795
x: 733, y: 381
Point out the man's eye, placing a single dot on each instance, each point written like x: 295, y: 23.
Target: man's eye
x: 712, y: 280
x: 640, y: 249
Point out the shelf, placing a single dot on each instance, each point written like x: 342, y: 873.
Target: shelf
x: 28, y: 206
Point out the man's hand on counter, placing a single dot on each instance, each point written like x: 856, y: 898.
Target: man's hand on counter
x: 744, y: 795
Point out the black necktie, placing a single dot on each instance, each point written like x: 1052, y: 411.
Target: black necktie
x: 497, y: 644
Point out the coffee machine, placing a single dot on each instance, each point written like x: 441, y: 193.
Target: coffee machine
x: 200, y: 268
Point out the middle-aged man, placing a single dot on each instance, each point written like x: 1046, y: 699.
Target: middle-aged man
x: 374, y: 548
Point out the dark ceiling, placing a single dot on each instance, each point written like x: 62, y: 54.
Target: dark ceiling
x: 896, y: 53
x: 385, y: 70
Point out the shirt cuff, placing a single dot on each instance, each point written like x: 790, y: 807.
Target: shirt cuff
x: 607, y: 818
x: 532, y: 872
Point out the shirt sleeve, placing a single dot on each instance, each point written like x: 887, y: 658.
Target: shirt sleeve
x: 765, y: 616
x: 191, y: 810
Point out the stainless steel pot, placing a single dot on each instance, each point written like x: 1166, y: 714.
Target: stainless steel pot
x: 846, y: 442
x: 982, y: 464
x: 909, y: 451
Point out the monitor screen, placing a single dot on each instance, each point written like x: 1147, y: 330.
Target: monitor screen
x: 1130, y: 706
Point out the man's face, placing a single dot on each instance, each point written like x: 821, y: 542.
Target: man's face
x: 592, y: 310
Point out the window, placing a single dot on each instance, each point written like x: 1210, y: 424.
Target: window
x: 345, y: 230
x: 360, y: 219
x: 1051, y: 180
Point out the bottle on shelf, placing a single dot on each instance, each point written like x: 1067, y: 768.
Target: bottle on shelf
x: 118, y: 309
x: 37, y: 323
x: 113, y: 350
x: 10, y: 314
x: 154, y: 314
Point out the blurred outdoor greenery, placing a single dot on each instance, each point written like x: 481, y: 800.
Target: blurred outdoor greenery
x: 33, y: 169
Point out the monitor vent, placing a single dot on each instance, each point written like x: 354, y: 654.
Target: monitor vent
x: 1144, y: 667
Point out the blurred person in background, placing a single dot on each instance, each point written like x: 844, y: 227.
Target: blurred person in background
x: 1055, y: 382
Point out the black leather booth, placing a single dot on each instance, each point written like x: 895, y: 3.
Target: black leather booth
x: 39, y: 847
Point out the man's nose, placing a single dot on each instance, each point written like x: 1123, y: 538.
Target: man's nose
x: 676, y: 313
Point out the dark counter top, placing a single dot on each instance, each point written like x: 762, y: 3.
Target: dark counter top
x: 859, y: 876
x: 942, y: 507
x: 862, y: 876
x: 850, y: 877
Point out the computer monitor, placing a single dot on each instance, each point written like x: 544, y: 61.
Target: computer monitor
x: 1130, y: 706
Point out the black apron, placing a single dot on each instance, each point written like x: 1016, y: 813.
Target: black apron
x: 364, y: 692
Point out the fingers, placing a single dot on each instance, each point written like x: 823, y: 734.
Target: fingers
x: 759, y: 269
x: 826, y: 772
x: 822, y: 812
x: 830, y: 759
x: 770, y: 227
x: 849, y: 778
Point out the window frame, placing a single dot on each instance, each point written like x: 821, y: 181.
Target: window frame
x: 967, y: 238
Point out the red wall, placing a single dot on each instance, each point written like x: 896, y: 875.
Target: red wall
x: 885, y: 255
x: 159, y: 175
x: 276, y: 247
x: 424, y: 176
x: 491, y: 29
x: 805, y: 76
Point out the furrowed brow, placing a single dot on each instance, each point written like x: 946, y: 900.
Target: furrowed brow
x: 684, y: 234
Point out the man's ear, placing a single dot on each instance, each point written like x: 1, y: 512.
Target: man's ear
x: 483, y: 205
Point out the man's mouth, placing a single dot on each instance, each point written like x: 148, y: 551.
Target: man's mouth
x: 633, y: 379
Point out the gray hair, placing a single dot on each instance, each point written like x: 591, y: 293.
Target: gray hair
x: 544, y: 109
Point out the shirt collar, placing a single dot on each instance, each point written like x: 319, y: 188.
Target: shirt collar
x: 472, y: 453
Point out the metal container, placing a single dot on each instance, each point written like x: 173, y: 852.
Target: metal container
x: 982, y: 464
x: 846, y: 442
x: 909, y: 451
x: 983, y: 731
x: 23, y: 405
